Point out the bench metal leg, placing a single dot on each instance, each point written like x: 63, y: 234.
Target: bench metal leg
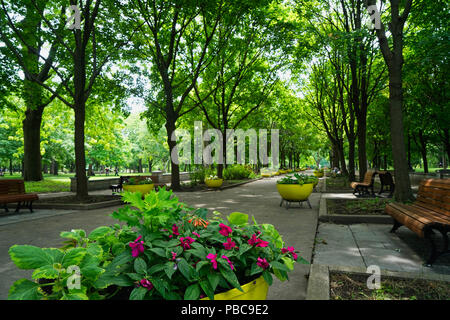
x: 18, y: 207
x: 395, y: 226
x: 434, y: 248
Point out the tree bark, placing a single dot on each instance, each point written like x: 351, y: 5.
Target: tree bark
x: 403, y: 190
x: 394, y: 61
x: 32, y: 144
x: 423, y: 151
x: 175, y: 172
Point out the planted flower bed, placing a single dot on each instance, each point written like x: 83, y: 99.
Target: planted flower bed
x: 348, y: 286
x: 165, y: 250
x: 358, y: 206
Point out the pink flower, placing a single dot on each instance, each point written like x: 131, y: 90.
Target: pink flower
x: 196, y: 234
x: 262, y: 263
x: 146, y: 284
x: 229, y: 262
x: 137, y: 247
x: 225, y: 230
x: 291, y: 250
x: 174, y: 231
x: 229, y: 244
x: 213, y: 258
x: 253, y: 241
x: 262, y: 243
x: 174, y: 255
x: 186, y: 242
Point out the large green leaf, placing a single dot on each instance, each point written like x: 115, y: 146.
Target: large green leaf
x: 238, y: 218
x: 73, y: 256
x: 45, y: 272
x: 140, y: 266
x: 99, y: 232
x: 138, y: 293
x: 29, y: 257
x: 192, y: 292
x: 24, y: 289
x: 169, y: 269
x: 230, y: 276
x: 206, y: 287
x: 186, y: 270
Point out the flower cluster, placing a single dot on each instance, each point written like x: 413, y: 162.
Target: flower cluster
x: 165, y: 250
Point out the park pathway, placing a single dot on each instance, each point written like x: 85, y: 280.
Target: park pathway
x: 260, y: 198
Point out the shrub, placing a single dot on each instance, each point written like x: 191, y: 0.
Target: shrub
x: 238, y: 171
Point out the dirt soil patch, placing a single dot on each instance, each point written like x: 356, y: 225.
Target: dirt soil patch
x: 348, y: 286
x: 358, y: 206
x: 73, y: 200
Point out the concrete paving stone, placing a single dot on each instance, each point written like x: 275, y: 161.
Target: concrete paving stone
x: 343, y: 257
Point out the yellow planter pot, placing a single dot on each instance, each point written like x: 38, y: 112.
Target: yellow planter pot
x: 266, y: 174
x: 318, y: 174
x: 142, y: 188
x: 255, y: 290
x: 276, y: 173
x: 213, y: 183
x: 289, y: 170
x: 295, y: 192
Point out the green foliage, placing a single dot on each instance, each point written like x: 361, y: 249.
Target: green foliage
x: 238, y: 171
x: 135, y: 181
x: 300, y: 179
x: 94, y: 256
x: 160, y: 253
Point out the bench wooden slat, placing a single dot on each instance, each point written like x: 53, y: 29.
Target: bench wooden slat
x: 13, y: 190
x: 430, y: 211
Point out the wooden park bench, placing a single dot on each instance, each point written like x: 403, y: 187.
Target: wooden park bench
x: 366, y: 185
x: 386, y: 180
x: 443, y: 172
x: 430, y: 211
x: 119, y: 187
x: 12, y: 191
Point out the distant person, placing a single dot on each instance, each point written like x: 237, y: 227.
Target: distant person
x: 116, y: 172
x: 107, y: 171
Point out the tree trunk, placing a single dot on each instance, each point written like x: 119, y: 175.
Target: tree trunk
x: 362, y: 156
x: 175, y: 172
x: 351, y: 159
x: 140, y: 166
x: 54, y: 168
x: 403, y: 190
x: 423, y: 151
x: 32, y: 144
x: 341, y: 155
x: 80, y: 158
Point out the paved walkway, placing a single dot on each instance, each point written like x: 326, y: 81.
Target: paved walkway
x: 259, y: 198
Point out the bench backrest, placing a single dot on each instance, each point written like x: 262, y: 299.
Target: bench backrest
x: 369, y: 176
x: 12, y: 186
x: 435, y: 194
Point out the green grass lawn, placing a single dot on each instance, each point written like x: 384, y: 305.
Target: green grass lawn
x: 59, y: 183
